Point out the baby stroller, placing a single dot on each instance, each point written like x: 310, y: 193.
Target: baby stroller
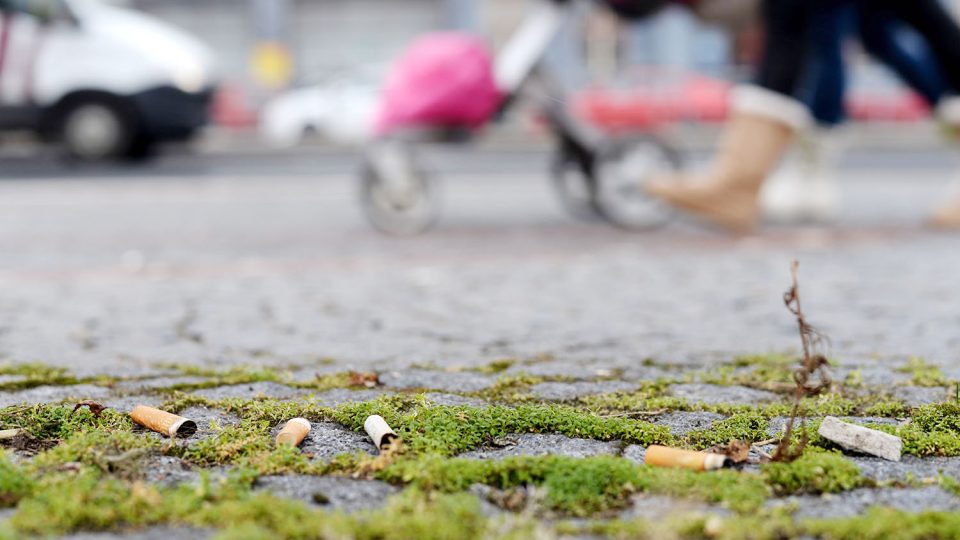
x: 446, y: 85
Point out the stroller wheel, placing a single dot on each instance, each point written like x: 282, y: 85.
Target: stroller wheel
x: 620, y: 169
x: 575, y: 185
x: 398, y: 196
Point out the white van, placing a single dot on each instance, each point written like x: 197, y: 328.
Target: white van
x: 103, y: 80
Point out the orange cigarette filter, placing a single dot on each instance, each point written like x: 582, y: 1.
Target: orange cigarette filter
x: 294, y: 432
x: 662, y: 456
x: 169, y: 424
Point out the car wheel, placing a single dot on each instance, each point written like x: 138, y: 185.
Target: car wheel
x: 94, y: 130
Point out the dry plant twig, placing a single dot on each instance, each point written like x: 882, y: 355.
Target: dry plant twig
x: 813, y: 363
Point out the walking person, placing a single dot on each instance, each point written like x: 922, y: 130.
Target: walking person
x: 766, y: 115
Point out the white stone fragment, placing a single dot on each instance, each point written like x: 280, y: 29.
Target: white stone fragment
x: 861, y: 439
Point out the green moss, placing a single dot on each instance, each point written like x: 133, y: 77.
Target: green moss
x: 14, y: 483
x: 923, y: 373
x: 887, y: 409
x: 34, y: 375
x: 56, y: 422
x: 938, y: 417
x: 749, y: 427
x: 887, y: 524
x: 581, y: 487
x: 449, y: 431
x: 814, y: 472
x: 497, y: 366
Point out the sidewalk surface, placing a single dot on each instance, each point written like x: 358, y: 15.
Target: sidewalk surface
x: 136, y: 280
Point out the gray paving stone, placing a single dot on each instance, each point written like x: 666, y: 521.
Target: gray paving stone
x: 154, y: 383
x: 345, y: 494
x: 853, y: 503
x: 635, y: 453
x: 909, y: 466
x: 53, y: 394
x: 453, y: 400
x: 455, y: 381
x: 534, y: 444
x: 252, y: 390
x: 339, y: 396
x: 681, y: 423
x: 914, y: 396
x: 656, y: 507
x: 714, y: 394
x: 327, y: 440
x: 561, y: 391
x: 127, y: 403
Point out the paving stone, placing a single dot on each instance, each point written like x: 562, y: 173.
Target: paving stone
x: 327, y: 440
x: 856, y: 502
x: 252, y: 390
x: 449, y: 381
x: 339, y: 396
x: 635, y: 453
x: 152, y: 533
x: 909, y: 466
x: 127, y: 403
x: 560, y: 391
x: 914, y: 396
x: 681, y: 423
x: 454, y: 400
x: 54, y: 394
x: 713, y: 394
x: 154, y: 383
x: 345, y: 494
x: 10, y: 379
x: 169, y: 471
x: 656, y: 507
x: 535, y: 444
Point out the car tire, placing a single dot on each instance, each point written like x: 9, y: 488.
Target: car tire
x: 97, y: 129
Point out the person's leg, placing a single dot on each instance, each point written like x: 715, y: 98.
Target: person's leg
x: 763, y: 120
x: 940, y: 30
x: 934, y: 23
x: 881, y: 36
x: 803, y: 188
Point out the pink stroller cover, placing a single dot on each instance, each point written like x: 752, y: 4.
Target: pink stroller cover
x: 442, y: 79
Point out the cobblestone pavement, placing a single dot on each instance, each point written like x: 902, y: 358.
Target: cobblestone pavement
x: 122, y: 278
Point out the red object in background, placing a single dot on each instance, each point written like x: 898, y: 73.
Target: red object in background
x: 689, y: 98
x: 702, y: 99
x: 895, y: 106
x: 231, y: 107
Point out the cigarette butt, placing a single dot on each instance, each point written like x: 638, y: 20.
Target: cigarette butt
x: 662, y: 456
x: 378, y: 430
x: 169, y: 424
x: 293, y: 432
x: 9, y: 433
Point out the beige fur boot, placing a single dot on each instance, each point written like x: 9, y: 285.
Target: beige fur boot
x: 947, y: 215
x: 760, y: 128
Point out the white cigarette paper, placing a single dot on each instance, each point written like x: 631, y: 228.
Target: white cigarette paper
x: 378, y: 430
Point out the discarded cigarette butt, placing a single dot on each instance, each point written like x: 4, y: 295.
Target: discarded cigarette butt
x: 294, y: 431
x: 861, y: 439
x: 378, y: 430
x: 9, y: 433
x: 163, y: 422
x: 662, y: 456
